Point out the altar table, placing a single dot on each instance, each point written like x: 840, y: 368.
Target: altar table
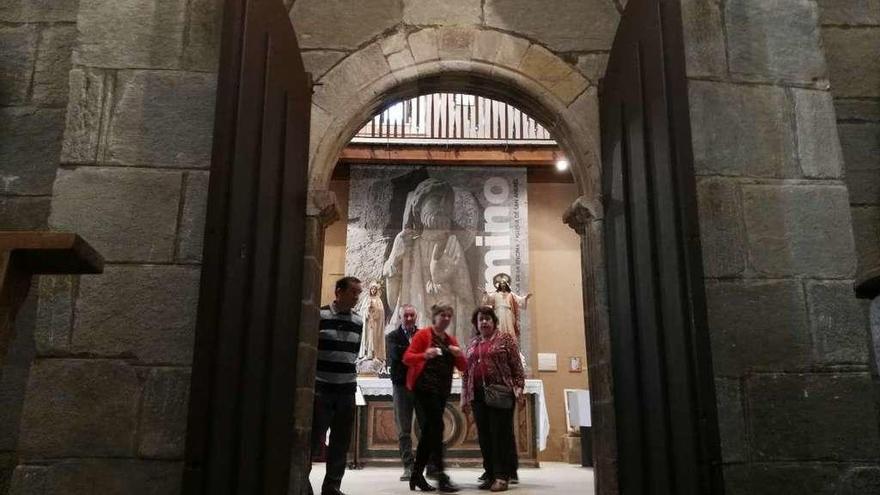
x: 376, y: 434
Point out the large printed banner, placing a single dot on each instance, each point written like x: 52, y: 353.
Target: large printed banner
x: 438, y: 234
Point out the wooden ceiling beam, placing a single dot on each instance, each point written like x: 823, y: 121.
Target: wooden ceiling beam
x: 539, y: 161
x: 532, y: 156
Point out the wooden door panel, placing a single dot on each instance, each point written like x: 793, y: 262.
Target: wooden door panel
x: 663, y: 384
x: 241, y: 402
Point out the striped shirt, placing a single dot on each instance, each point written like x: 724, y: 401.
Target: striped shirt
x: 339, y: 340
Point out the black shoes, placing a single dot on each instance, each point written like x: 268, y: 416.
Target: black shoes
x: 485, y: 476
x: 486, y: 484
x: 417, y: 480
x: 514, y: 479
x: 444, y: 484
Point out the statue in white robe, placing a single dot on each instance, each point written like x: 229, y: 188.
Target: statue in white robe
x: 427, y: 263
x: 372, y: 309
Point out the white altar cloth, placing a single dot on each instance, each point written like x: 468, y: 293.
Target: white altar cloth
x: 382, y: 386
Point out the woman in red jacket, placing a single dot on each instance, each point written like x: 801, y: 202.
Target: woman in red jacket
x: 430, y: 358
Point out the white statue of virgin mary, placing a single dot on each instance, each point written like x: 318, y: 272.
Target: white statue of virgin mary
x: 372, y: 309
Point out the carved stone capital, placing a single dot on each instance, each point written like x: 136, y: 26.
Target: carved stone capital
x: 322, y: 205
x: 581, y: 213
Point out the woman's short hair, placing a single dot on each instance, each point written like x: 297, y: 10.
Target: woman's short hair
x: 441, y: 308
x: 484, y: 310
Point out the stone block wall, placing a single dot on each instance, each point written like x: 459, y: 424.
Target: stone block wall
x: 580, y: 31
x: 13, y: 381
x: 107, y: 390
x: 36, y: 39
x: 108, y: 386
x: 790, y: 341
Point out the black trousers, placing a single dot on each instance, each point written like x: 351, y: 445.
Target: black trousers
x: 429, y: 409
x: 496, y: 437
x: 334, y: 411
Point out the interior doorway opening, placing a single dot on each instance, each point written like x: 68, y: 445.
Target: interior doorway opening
x: 473, y: 133
x: 647, y: 143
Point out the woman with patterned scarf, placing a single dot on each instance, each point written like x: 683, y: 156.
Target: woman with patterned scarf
x: 491, y: 387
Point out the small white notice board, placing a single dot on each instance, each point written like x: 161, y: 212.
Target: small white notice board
x: 547, y: 361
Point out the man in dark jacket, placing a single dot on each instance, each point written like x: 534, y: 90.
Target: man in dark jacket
x: 396, y: 343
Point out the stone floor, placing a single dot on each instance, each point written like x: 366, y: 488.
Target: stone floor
x: 551, y: 478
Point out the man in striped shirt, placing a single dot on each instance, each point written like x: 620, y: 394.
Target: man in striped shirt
x: 339, y: 340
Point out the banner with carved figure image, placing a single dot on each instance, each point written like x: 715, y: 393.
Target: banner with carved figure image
x: 439, y: 234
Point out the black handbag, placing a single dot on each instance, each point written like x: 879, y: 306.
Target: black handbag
x: 496, y: 395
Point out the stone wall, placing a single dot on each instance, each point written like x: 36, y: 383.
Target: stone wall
x: 107, y: 390
x: 790, y: 341
x: 580, y: 31
x: 35, y: 42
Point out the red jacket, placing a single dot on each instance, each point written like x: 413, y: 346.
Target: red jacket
x: 414, y: 357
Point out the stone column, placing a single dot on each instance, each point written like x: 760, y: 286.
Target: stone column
x: 585, y: 217
x: 321, y: 212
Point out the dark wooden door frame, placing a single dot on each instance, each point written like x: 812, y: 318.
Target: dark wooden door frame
x: 664, y: 395
x: 242, y: 389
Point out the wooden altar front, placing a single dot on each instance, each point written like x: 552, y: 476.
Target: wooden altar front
x: 376, y: 434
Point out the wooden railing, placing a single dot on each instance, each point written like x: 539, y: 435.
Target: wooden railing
x: 453, y: 118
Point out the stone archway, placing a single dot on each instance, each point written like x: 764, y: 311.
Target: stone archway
x: 497, y: 65
x: 491, y: 62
